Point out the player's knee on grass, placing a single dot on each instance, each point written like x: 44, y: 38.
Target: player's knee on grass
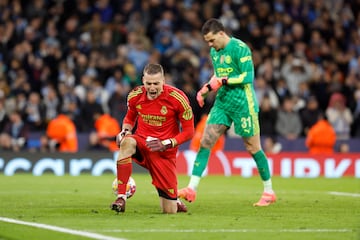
x: 169, y: 206
x: 167, y: 203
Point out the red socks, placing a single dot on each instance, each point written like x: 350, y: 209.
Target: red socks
x: 124, y: 169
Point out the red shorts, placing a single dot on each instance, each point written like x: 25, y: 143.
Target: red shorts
x: 161, y: 166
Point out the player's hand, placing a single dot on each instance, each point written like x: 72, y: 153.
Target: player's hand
x: 121, y: 135
x: 202, y: 94
x: 216, y: 82
x: 156, y: 145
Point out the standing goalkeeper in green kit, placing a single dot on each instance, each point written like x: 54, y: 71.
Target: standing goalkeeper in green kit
x: 235, y: 102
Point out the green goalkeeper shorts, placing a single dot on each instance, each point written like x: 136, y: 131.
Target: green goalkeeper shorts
x: 245, y: 125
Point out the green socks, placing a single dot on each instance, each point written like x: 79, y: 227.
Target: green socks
x: 262, y: 165
x: 201, y: 161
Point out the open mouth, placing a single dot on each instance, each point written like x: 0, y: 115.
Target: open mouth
x: 152, y: 94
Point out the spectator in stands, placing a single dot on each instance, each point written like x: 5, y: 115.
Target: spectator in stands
x: 138, y: 54
x: 267, y: 118
x: 66, y: 96
x: 262, y: 89
x: 81, y: 89
x: 35, y: 112
x: 95, y: 27
x: 88, y: 108
x: 321, y: 137
x: 4, y: 86
x: 295, y: 71
x: 74, y: 113
x: 303, y: 96
x: 130, y: 76
x: 3, y: 114
x: 339, y: 116
x: 282, y: 90
x: 52, y: 103
x: 106, y: 129
x: 310, y: 114
x: 355, y: 129
x: 101, y: 95
x: 106, y: 47
x: 117, y: 101
x: 62, y: 135
x: 15, y: 134
x: 115, y: 78
x: 288, y: 123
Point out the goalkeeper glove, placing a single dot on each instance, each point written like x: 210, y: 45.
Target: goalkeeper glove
x: 216, y: 82
x: 202, y: 93
x: 156, y: 145
x: 121, y: 135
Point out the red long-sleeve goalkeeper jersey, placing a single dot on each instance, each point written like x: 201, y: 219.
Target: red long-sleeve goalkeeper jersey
x: 167, y: 116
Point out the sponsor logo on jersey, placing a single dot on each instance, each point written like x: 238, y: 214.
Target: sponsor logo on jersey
x: 153, y: 120
x: 221, y: 71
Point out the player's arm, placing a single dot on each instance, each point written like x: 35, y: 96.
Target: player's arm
x: 186, y: 118
x: 243, y: 78
x: 129, y: 120
x: 187, y: 127
x: 128, y: 123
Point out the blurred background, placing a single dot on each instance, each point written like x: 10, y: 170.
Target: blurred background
x: 78, y: 59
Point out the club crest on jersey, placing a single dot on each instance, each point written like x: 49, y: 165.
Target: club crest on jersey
x: 163, y: 110
x: 138, y: 106
x: 228, y: 59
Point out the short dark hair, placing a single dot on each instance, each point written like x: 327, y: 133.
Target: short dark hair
x: 153, y: 68
x: 212, y: 25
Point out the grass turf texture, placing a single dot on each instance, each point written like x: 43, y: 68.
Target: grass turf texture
x: 223, y: 209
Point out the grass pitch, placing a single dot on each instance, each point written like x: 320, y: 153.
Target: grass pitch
x: 306, y: 209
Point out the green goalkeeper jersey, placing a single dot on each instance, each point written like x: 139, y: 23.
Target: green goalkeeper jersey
x: 235, y: 63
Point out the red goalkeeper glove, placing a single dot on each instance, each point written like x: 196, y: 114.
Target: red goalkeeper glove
x: 156, y: 145
x: 216, y: 82
x: 202, y: 93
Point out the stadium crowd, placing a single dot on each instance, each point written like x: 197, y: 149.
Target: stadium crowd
x: 79, y: 58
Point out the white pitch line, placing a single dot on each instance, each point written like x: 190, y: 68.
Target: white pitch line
x: 229, y: 230
x: 60, y: 229
x: 345, y: 194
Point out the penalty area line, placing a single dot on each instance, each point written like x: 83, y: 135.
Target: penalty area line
x: 60, y: 229
x: 345, y: 194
